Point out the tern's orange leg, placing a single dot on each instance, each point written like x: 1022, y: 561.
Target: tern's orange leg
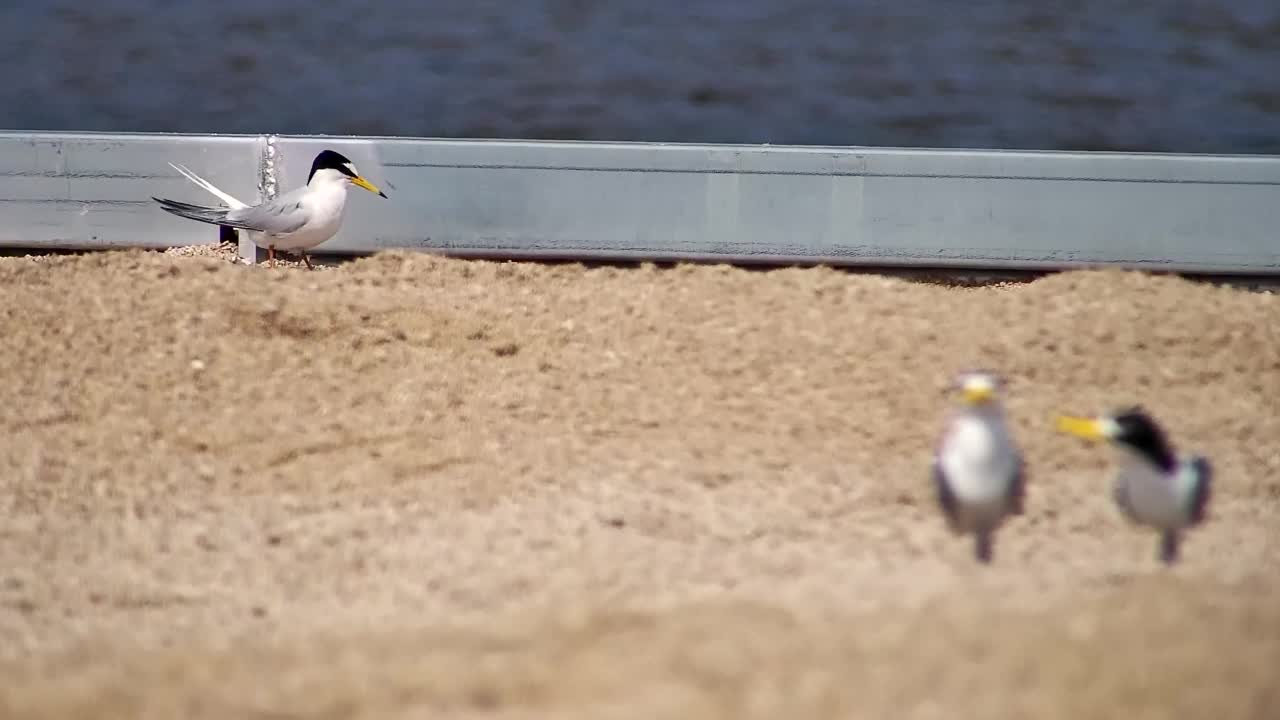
x: 271, y: 256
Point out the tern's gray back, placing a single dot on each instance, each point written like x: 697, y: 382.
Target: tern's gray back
x: 280, y: 215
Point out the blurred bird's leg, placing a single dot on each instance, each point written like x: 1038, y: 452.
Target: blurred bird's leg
x: 984, y: 546
x: 1169, y: 547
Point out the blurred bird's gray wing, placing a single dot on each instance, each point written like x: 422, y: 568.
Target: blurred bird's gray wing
x: 1018, y: 486
x: 946, y: 499
x: 1202, y: 489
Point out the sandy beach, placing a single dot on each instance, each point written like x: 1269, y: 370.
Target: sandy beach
x: 412, y: 486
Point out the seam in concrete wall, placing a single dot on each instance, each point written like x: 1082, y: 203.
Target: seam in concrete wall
x: 268, y: 188
x: 267, y: 184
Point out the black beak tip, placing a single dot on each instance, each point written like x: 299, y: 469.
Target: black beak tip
x: 382, y: 194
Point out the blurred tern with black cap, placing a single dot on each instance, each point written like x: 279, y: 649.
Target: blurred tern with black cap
x: 1153, y: 486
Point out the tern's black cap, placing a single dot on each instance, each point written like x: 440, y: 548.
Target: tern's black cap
x: 1139, y: 431
x: 330, y: 160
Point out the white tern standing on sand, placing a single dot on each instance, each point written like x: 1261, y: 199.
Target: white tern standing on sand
x: 1154, y: 487
x: 294, y: 222
x: 978, y: 472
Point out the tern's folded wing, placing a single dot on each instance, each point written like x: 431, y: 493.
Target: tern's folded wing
x: 942, y: 489
x: 1202, y: 489
x: 281, y: 216
x: 1018, y: 488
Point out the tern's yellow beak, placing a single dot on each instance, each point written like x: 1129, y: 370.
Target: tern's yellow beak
x: 1087, y: 428
x: 359, y: 181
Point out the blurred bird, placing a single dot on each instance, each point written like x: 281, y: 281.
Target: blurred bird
x: 978, y: 472
x: 1153, y: 486
x: 296, y: 221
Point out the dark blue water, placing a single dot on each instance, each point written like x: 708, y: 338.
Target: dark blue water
x: 1071, y: 74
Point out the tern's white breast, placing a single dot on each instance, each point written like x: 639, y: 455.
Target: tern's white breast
x: 978, y: 458
x: 324, y: 208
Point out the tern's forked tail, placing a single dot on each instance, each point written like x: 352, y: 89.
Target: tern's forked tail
x: 231, y: 201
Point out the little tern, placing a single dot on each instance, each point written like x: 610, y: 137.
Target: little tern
x: 294, y: 222
x: 1153, y: 486
x: 978, y: 471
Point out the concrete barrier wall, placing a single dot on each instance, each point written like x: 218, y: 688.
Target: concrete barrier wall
x: 89, y: 190
x: 871, y: 206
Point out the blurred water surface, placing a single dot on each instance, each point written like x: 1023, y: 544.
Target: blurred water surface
x: 1185, y: 76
